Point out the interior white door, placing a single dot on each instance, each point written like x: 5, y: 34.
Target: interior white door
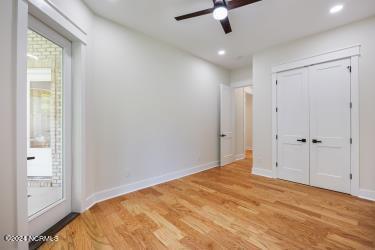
x: 226, y: 125
x: 330, y: 125
x: 293, y: 126
x: 49, y: 124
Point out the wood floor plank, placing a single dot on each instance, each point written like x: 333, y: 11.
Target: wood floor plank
x: 224, y: 208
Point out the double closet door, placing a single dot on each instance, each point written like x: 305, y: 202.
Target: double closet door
x: 314, y: 125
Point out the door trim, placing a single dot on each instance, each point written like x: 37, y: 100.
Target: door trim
x: 21, y: 133
x: 64, y: 204
x: 234, y: 86
x: 332, y: 55
x: 351, y: 52
x: 50, y: 14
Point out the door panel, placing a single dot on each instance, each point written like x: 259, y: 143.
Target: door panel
x: 226, y: 125
x: 293, y: 126
x: 48, y: 127
x: 330, y: 125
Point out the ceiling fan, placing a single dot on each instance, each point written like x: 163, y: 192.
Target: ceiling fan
x: 220, y: 11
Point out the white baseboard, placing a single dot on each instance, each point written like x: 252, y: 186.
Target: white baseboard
x: 367, y: 194
x: 262, y: 172
x: 239, y: 157
x: 131, y: 187
x: 363, y: 193
x: 128, y: 188
x: 90, y: 201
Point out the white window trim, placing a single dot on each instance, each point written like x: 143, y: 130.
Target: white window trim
x: 351, y: 52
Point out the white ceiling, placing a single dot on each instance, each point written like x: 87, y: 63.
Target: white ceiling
x: 255, y: 27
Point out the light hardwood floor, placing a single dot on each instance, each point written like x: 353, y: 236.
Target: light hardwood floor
x: 224, y: 208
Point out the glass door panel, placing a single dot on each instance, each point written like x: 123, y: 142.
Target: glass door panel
x: 45, y: 145
x: 48, y: 126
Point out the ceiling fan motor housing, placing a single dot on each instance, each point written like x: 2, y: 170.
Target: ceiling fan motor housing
x: 220, y: 3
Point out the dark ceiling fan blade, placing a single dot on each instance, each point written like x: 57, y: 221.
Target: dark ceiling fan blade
x: 226, y: 25
x: 239, y: 3
x: 195, y: 14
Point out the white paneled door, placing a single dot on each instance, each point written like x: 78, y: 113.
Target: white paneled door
x: 293, y: 126
x: 314, y: 125
x: 226, y: 125
x: 330, y: 125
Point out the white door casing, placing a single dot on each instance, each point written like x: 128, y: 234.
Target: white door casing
x: 226, y: 125
x: 329, y: 85
x: 293, y: 126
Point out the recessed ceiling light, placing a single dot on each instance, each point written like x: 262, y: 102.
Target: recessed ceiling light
x: 220, y: 13
x: 336, y: 8
x: 221, y: 52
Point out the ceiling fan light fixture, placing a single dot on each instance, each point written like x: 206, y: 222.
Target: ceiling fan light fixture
x: 220, y: 13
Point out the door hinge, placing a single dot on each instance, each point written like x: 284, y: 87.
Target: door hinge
x: 277, y: 137
x: 351, y: 176
x: 277, y: 164
x: 350, y: 68
x: 277, y: 109
x: 351, y: 140
x: 351, y: 105
x: 276, y: 82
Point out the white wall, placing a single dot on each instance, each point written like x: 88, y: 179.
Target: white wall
x: 241, y: 75
x: 136, y: 68
x: 7, y: 122
x: 151, y: 109
x: 363, y: 33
